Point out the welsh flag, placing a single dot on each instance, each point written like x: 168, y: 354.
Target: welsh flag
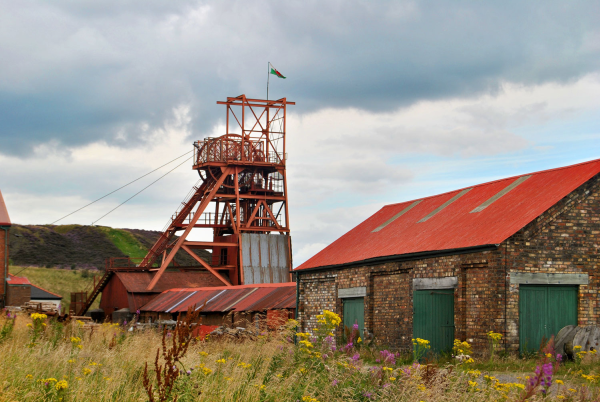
x: 275, y: 72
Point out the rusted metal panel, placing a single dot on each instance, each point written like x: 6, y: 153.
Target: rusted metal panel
x: 455, y: 226
x: 265, y: 258
x: 223, y: 299
x: 4, y: 218
x: 137, y: 300
x: 268, y: 299
x: 114, y: 296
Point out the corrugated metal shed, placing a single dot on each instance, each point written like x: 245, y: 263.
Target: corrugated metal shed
x: 259, y: 297
x: 4, y: 218
x: 484, y: 214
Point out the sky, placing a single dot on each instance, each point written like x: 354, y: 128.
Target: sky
x: 395, y: 100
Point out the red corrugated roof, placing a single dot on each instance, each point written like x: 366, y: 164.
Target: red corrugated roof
x: 4, y: 218
x: 455, y: 226
x: 137, y: 282
x: 257, y: 297
x: 17, y: 280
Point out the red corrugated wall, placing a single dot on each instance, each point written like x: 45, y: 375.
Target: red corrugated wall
x: 114, y: 296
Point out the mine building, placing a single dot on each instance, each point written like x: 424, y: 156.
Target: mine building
x: 517, y: 256
x: 240, y: 196
x: 4, y: 232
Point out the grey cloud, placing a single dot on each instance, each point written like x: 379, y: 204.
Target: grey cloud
x: 78, y: 72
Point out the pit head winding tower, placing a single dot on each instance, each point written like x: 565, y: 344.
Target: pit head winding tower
x: 241, y: 196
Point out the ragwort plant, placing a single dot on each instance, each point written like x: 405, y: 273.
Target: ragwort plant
x: 494, y: 339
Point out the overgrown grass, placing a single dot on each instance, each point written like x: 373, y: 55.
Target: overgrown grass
x: 105, y: 363
x: 125, y: 241
x: 60, y: 281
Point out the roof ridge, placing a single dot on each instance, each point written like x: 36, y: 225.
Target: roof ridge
x: 494, y: 181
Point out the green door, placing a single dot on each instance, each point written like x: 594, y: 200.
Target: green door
x: 543, y: 311
x: 354, y: 313
x: 433, y: 318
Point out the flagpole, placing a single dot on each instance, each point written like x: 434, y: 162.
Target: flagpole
x: 268, y: 78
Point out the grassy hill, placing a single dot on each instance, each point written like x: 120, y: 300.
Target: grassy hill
x: 78, y: 246
x: 60, y: 281
x: 64, y: 258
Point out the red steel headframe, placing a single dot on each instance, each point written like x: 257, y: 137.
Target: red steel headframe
x: 243, y: 174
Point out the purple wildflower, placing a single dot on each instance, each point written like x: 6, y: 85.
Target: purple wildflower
x: 368, y: 395
x: 333, y: 349
x: 325, y: 356
x: 124, y: 323
x: 377, y: 360
x: 355, y: 326
x: 188, y: 372
x: 356, y: 357
x: 559, y: 357
x: 387, y: 356
x: 137, y: 311
x: 334, y: 383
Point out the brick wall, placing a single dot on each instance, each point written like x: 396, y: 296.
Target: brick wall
x: 565, y: 239
x: 388, y: 305
x: 18, y: 295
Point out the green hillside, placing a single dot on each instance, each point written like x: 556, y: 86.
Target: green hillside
x: 79, y: 246
x: 60, y: 281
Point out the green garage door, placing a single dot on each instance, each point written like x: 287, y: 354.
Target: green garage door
x: 354, y: 313
x: 543, y: 311
x: 433, y: 318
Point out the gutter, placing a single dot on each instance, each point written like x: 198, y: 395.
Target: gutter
x: 404, y: 257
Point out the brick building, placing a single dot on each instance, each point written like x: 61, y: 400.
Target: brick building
x: 4, y: 229
x: 518, y: 256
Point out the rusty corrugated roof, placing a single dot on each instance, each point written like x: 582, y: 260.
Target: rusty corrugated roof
x: 17, y: 280
x: 257, y: 297
x: 4, y: 218
x: 137, y: 282
x: 484, y: 214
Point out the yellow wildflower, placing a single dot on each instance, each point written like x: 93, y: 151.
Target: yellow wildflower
x: 392, y: 378
x: 560, y: 382
x: 203, y: 354
x: 61, y: 385
x: 29, y: 376
x: 221, y: 361
x: 87, y: 371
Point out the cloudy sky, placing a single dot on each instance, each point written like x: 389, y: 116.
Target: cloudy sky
x: 395, y: 100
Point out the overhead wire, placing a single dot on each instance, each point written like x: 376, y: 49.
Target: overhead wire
x: 114, y: 191
x: 141, y: 191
